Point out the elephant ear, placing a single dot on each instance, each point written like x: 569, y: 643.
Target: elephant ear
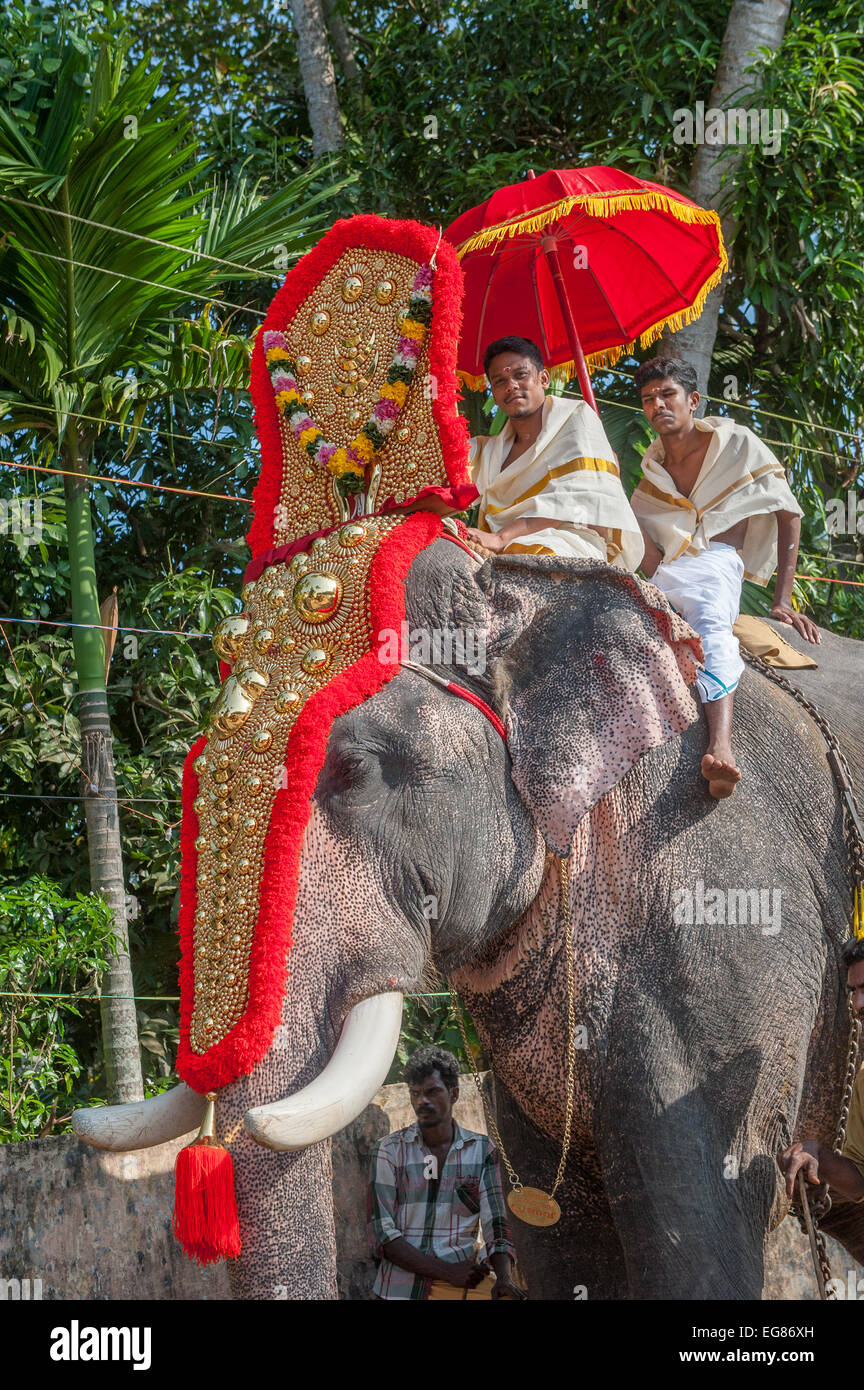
x: 596, y: 666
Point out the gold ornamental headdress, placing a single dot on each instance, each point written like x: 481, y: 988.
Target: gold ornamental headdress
x: 354, y: 385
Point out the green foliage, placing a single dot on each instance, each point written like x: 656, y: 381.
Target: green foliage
x: 433, y: 1020
x: 49, y: 945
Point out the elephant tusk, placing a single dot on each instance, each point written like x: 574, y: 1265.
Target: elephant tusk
x: 346, y: 1085
x: 143, y: 1123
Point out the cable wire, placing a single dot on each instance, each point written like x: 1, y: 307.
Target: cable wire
x: 140, y: 236
x: 117, y: 800
x: 107, y: 627
x: 124, y: 482
x: 139, y: 429
x: 137, y: 280
x: 739, y: 405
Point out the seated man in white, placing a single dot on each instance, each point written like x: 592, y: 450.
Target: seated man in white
x: 715, y: 509
x: 548, y: 483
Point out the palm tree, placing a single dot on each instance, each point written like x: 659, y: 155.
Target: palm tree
x: 110, y: 239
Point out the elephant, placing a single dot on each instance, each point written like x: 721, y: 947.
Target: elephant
x: 705, y: 1047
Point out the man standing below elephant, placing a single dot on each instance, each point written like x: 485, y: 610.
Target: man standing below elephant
x: 844, y: 1172
x: 549, y: 483
x: 431, y: 1186
x: 715, y: 509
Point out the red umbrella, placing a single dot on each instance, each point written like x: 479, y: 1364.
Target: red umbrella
x: 618, y: 256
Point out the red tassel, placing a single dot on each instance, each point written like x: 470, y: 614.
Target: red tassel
x: 205, y: 1206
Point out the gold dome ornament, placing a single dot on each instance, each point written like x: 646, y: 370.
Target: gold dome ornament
x: 314, y: 660
x: 263, y: 639
x: 320, y: 322
x: 228, y: 636
x: 385, y: 291
x: 234, y: 704
x: 261, y: 740
x: 231, y: 709
x: 317, y: 596
x: 253, y: 682
x: 352, y: 534
x: 352, y: 288
x: 303, y: 365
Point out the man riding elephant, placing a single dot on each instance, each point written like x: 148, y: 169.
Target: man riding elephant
x: 336, y: 794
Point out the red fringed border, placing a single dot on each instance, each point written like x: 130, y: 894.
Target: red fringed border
x: 378, y: 233
x: 249, y: 1040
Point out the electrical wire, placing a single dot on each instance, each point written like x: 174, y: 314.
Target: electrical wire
x: 137, y: 280
x: 124, y: 482
x: 740, y: 405
x: 107, y: 627
x: 150, y: 998
x: 117, y: 800
x: 139, y: 236
x: 783, y: 445
x: 140, y: 429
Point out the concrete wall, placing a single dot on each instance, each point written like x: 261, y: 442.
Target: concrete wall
x: 91, y: 1225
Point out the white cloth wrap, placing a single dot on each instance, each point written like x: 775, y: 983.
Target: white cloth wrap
x: 569, y: 475
x: 706, y: 590
x: 740, y: 480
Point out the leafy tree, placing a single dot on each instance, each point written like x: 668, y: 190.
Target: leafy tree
x: 111, y: 241
x: 53, y: 953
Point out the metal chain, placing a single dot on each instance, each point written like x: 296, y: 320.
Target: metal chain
x: 812, y: 1209
x: 563, y: 917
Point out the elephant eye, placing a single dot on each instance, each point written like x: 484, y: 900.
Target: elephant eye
x: 347, y: 768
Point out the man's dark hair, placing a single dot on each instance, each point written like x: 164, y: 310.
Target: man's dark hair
x: 523, y: 346
x: 425, y: 1060
x: 673, y: 367
x: 852, y: 952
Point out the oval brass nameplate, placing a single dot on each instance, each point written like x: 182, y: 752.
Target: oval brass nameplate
x: 534, y: 1207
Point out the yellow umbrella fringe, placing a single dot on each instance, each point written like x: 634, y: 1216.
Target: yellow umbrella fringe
x: 858, y: 911
x: 607, y: 357
x: 595, y: 205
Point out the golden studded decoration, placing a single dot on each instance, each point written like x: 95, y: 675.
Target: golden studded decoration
x: 302, y: 624
x: 356, y: 415
x: 341, y: 331
x: 326, y: 577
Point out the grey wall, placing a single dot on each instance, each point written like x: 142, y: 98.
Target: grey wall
x: 92, y: 1225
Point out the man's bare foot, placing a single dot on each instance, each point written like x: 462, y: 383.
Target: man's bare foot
x: 720, y: 771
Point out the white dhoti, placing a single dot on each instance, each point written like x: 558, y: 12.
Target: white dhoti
x: 569, y: 475
x: 578, y: 542
x: 706, y: 590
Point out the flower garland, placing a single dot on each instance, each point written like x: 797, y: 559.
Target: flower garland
x: 348, y: 464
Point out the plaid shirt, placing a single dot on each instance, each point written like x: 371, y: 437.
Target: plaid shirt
x: 441, y: 1218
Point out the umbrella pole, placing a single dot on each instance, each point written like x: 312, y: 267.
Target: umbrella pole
x: 550, y: 251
